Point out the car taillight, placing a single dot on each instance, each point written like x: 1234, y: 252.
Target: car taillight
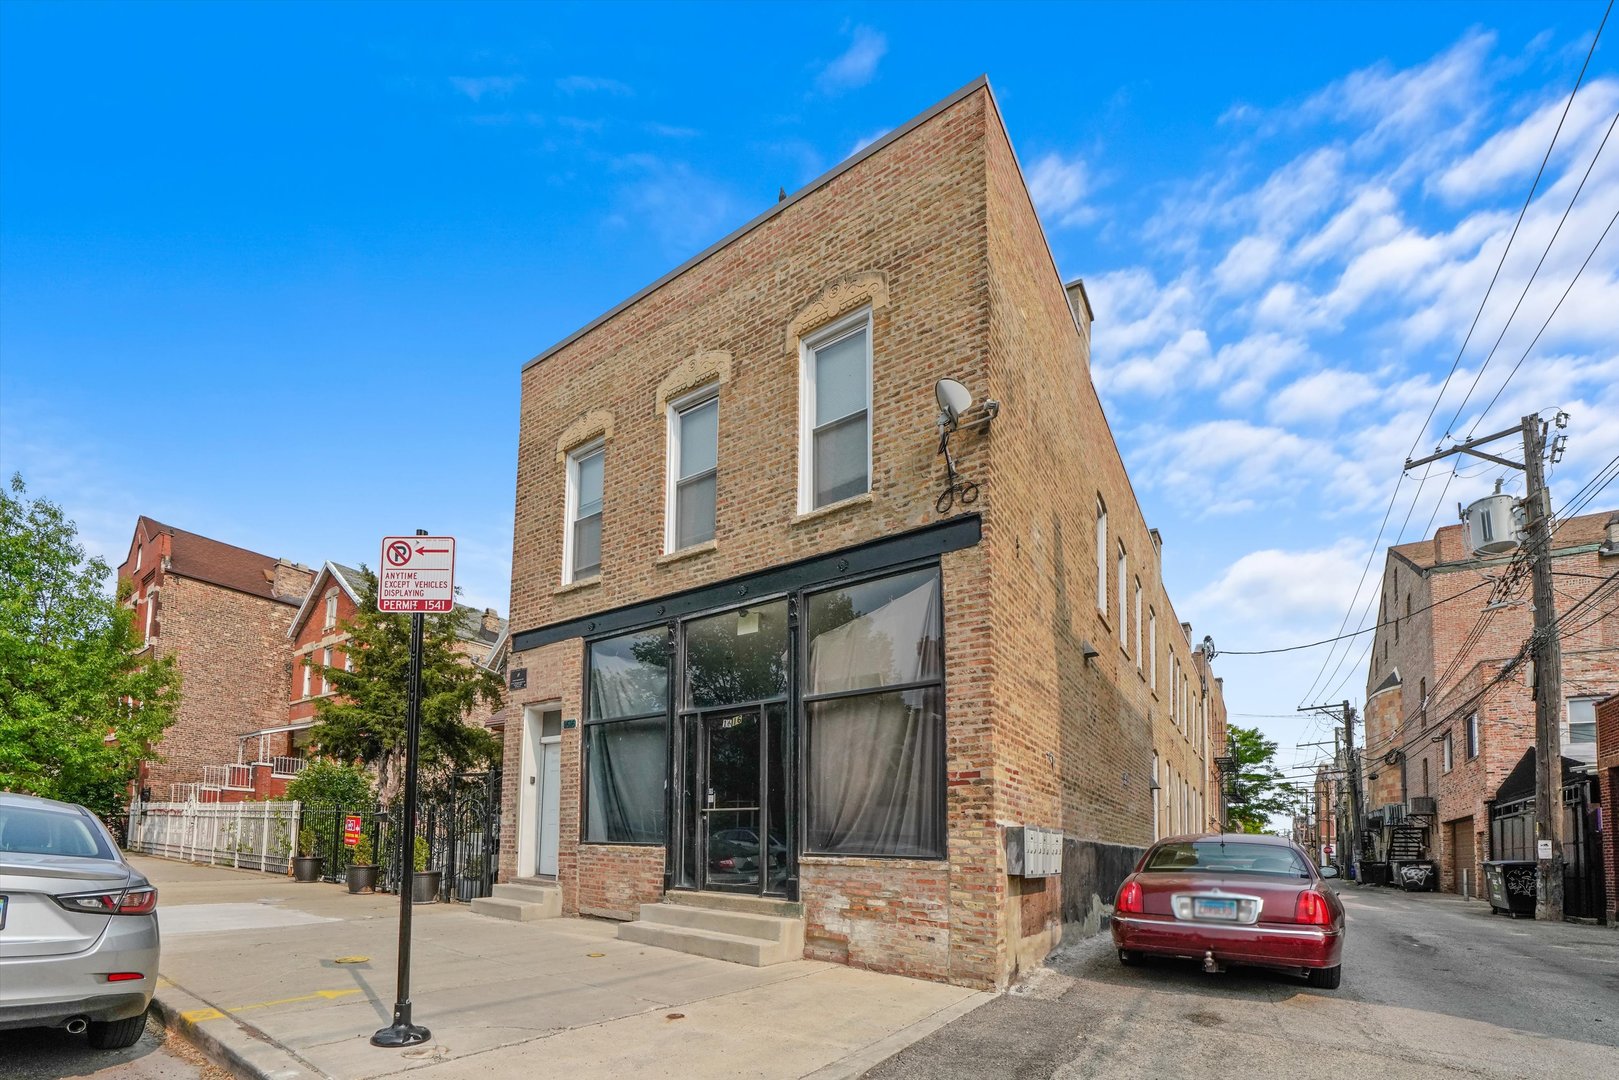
x: 124, y: 976
x: 1130, y: 897
x: 142, y: 901
x: 1312, y: 909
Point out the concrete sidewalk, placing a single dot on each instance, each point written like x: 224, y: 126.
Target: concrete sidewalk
x: 287, y: 981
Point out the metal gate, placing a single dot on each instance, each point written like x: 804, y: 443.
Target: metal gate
x: 459, y: 823
x: 1512, y: 836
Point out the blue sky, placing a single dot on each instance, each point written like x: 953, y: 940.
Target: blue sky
x: 229, y: 234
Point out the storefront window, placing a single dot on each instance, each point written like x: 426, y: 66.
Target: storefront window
x: 874, y: 708
x: 626, y: 738
x: 737, y: 657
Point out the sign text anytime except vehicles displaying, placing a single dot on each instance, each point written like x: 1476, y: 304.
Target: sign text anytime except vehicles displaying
x: 416, y: 574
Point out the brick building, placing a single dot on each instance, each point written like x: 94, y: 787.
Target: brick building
x: 1607, y: 714
x: 1442, y: 724
x: 222, y: 612
x: 755, y: 650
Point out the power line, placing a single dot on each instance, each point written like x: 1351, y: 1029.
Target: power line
x: 1357, y: 633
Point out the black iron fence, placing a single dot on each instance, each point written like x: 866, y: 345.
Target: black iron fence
x: 457, y: 826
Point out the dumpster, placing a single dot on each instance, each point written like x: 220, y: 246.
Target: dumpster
x: 1374, y: 873
x: 1415, y: 875
x: 1511, y: 886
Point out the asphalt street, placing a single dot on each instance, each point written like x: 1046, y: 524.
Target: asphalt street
x: 1433, y: 986
x: 53, y: 1054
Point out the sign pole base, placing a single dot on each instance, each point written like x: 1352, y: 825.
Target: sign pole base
x: 401, y: 1032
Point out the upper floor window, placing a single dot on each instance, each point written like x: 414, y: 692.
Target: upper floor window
x: 1124, y: 617
x: 694, y: 444
x: 1472, y: 736
x: 1448, y: 763
x: 1581, y: 725
x: 331, y: 610
x: 138, y: 549
x: 582, y: 539
x: 1101, y: 555
x: 326, y: 662
x: 1138, y: 624
x: 309, y: 672
x: 835, y: 442
x: 1152, y: 648
x: 151, y: 611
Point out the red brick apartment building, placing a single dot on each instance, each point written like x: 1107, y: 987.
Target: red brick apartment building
x: 222, y: 612
x: 1607, y: 713
x: 756, y: 651
x: 1443, y: 732
x: 245, y: 628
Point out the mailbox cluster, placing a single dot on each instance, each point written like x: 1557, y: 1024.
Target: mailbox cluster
x: 1032, y: 851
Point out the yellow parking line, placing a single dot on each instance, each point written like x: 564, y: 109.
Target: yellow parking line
x: 197, y: 1016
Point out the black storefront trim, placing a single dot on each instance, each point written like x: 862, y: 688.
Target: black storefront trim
x: 930, y: 541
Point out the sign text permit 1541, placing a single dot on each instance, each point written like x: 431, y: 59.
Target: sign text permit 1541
x: 417, y: 574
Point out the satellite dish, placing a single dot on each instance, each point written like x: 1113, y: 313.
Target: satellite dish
x: 954, y: 399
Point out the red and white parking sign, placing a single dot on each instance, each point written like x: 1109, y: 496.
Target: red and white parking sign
x: 416, y: 574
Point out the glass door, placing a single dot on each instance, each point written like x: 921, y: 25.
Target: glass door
x: 730, y: 812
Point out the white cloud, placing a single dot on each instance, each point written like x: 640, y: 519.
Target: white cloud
x: 1272, y: 585
x: 857, y: 66
x: 593, y: 84
x: 478, y: 87
x: 1516, y: 152
x: 1058, y: 186
x: 1322, y: 395
x: 685, y: 210
x: 1247, y: 264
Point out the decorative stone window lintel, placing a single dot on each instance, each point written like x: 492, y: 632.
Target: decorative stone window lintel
x: 596, y: 424
x: 838, y: 298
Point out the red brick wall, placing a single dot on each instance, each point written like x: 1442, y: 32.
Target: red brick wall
x: 1608, y: 778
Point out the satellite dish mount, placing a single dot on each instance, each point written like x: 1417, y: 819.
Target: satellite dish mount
x: 954, y: 399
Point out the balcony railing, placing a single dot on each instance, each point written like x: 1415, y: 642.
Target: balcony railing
x: 229, y: 777
x: 287, y: 766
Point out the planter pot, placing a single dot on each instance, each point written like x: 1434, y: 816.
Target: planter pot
x: 307, y: 867
x: 424, y: 886
x: 362, y: 878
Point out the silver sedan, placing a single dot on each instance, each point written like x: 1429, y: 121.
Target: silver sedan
x: 78, y: 925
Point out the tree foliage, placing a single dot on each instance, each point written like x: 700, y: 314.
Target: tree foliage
x: 364, y: 720
x: 72, y: 669
x: 1259, y: 790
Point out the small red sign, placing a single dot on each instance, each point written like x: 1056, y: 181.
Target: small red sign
x: 351, y: 830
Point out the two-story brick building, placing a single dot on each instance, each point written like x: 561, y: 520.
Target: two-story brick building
x: 1443, y: 729
x: 755, y: 648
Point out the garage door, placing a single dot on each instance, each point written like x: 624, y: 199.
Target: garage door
x: 1461, y: 847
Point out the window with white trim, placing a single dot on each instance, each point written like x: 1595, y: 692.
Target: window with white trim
x: 1124, y: 593
x: 331, y: 610
x: 1580, y: 722
x: 309, y: 672
x: 326, y: 662
x: 1448, y: 762
x: 1139, y: 660
x: 151, y: 607
x: 1472, y: 736
x: 835, y: 413
x: 1152, y: 648
x: 1101, y: 556
x: 694, y: 447
x: 582, y: 540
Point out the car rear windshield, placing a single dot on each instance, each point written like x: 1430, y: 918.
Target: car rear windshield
x: 1213, y: 856
x: 25, y: 830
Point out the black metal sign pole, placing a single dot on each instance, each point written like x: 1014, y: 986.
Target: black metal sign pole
x: 402, y: 1032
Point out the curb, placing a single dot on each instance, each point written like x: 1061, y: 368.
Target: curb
x: 243, y: 1051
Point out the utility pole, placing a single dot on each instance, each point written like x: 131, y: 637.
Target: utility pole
x: 1352, y: 765
x: 1548, y: 653
x: 1545, y: 649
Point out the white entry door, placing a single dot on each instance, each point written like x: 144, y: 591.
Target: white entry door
x: 550, y: 805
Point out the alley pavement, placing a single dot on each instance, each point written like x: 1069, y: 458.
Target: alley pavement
x: 1434, y: 986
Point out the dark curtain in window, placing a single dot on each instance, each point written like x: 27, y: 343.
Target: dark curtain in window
x: 625, y: 800
x: 876, y: 761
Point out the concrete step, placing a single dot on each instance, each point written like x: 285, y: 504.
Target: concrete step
x: 515, y: 910
x: 735, y: 923
x: 753, y: 905
x: 547, y: 896
x: 755, y: 952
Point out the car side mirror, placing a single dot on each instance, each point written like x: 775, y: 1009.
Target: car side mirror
x: 1329, y: 871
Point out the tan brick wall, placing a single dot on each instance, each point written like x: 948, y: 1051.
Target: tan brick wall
x: 936, y: 233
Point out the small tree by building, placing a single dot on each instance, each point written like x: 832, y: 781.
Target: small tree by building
x: 81, y: 704
x: 364, y: 720
x: 1258, y: 791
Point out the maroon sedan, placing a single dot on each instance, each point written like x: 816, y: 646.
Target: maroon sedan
x: 1232, y: 899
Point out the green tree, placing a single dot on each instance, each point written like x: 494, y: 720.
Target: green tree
x: 1259, y: 791
x: 364, y: 720
x: 72, y: 668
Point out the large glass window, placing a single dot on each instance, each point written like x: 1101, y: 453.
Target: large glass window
x: 626, y: 737
x: 694, y: 437
x: 584, y: 536
x: 1582, y: 721
x: 874, y: 712
x: 737, y: 657
x: 837, y: 405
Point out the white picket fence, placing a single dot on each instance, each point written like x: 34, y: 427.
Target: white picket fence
x: 251, y: 836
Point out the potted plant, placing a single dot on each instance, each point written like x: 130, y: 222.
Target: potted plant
x: 362, y: 873
x: 306, y: 864
x: 425, y: 883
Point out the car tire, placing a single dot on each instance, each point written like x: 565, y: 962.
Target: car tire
x: 117, y: 1034
x: 1325, y: 978
x: 1128, y: 958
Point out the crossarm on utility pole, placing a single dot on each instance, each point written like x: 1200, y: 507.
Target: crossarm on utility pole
x: 1468, y: 448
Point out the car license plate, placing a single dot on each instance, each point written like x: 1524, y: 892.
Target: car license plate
x: 1214, y: 909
